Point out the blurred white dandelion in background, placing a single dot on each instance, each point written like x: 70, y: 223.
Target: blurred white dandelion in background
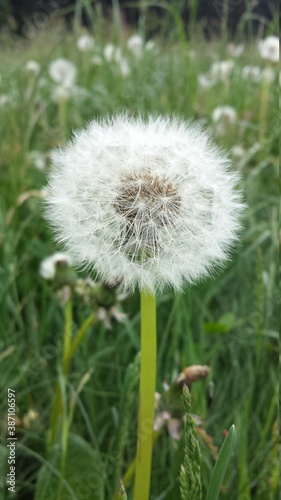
x: 124, y: 67
x: 148, y: 202
x: 252, y: 73
x: 221, y: 71
x: 150, y: 45
x: 38, y: 159
x: 85, y: 43
x: 49, y: 266
x: 269, y: 49
x: 235, y: 50
x: 135, y: 45
x: 33, y: 67
x: 63, y: 72
x: 226, y: 114
x: 112, y: 53
x: 97, y: 60
x: 205, y: 81
x: 5, y: 99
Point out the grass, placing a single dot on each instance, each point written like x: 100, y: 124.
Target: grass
x: 228, y: 322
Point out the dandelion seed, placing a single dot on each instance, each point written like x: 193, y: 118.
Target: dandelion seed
x: 151, y: 202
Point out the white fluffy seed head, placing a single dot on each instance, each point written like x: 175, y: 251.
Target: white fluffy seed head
x: 149, y: 202
x: 48, y: 266
x: 225, y: 114
x: 269, y: 49
x: 63, y: 72
x: 85, y: 43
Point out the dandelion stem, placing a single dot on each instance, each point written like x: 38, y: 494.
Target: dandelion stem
x: 147, y: 391
x: 263, y: 111
x: 62, y: 116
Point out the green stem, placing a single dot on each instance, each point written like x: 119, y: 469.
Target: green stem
x: 62, y: 116
x: 69, y: 349
x: 147, y: 392
x: 67, y: 330
x: 263, y: 111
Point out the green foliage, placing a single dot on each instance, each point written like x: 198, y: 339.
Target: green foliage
x: 83, y: 475
x: 221, y: 465
x: 229, y: 322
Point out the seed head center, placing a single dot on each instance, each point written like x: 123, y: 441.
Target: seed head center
x: 147, y: 199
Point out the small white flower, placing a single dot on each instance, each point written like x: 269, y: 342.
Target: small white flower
x: 269, y: 49
x: 235, y: 50
x: 33, y: 67
x: 221, y: 71
x: 151, y: 203
x: 135, y: 45
x: 48, y: 266
x: 63, y: 72
x: 251, y: 73
x: 226, y: 114
x: 85, y: 43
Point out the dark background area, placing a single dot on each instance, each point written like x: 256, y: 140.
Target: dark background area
x: 248, y: 16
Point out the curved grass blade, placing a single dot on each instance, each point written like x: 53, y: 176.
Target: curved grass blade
x: 221, y: 465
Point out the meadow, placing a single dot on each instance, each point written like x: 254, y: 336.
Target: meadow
x: 228, y: 323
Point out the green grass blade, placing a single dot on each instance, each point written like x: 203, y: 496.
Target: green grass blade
x: 221, y: 465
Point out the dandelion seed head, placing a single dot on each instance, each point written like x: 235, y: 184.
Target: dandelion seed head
x: 149, y: 202
x: 48, y: 266
x: 33, y: 67
x: 225, y: 114
x: 269, y: 49
x: 63, y: 72
x: 135, y: 45
x: 85, y: 43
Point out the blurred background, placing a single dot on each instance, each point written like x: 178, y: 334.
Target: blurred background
x: 62, y: 64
